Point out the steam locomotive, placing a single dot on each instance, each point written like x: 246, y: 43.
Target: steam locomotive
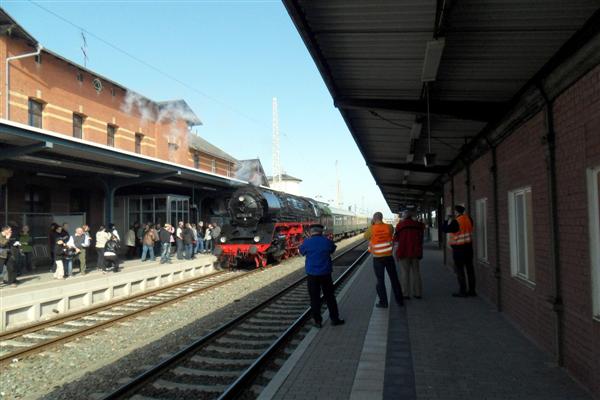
x: 269, y: 226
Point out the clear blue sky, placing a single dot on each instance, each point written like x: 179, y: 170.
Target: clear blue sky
x: 237, y: 55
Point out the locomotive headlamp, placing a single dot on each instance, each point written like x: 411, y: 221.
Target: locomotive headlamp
x: 241, y: 199
x: 256, y: 239
x: 223, y: 239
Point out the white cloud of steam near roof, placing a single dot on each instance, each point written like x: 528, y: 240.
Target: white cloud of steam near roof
x: 135, y: 102
x: 249, y: 172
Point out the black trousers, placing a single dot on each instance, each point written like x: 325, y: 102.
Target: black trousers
x: 11, y: 272
x: 316, y: 283
x: 380, y: 265
x: 463, y: 260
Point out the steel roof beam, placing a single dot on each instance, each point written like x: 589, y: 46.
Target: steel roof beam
x: 17, y: 151
x: 436, y: 169
x: 424, y: 188
x: 468, y: 110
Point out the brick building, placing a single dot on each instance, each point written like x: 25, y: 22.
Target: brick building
x: 100, y: 121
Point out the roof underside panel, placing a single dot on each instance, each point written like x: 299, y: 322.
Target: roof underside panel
x: 371, y: 55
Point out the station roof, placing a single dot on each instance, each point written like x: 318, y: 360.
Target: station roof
x: 198, y: 143
x: 372, y: 57
x: 51, y: 152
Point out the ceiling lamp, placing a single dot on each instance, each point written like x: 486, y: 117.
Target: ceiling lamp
x: 433, y: 56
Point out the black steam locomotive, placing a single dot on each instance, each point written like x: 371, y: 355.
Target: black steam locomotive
x: 268, y: 225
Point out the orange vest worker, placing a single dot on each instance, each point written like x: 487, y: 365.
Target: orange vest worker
x: 465, y: 231
x: 380, y: 244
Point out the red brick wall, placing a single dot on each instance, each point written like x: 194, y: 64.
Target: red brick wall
x: 55, y: 83
x: 482, y: 187
x: 577, y: 126
x: 521, y: 159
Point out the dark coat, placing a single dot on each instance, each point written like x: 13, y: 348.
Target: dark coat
x: 187, y: 235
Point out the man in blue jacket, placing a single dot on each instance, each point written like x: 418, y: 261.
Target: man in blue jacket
x: 318, y: 250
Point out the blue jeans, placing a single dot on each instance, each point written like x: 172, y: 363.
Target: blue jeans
x: 68, y: 267
x: 165, y: 255
x: 199, y: 245
x: 147, y: 249
x: 208, y: 245
x: 188, y: 251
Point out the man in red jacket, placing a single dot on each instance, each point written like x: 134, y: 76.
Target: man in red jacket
x: 409, y: 250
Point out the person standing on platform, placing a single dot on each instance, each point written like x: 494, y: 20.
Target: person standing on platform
x: 188, y: 238
x: 179, y: 240
x: 200, y: 241
x: 148, y: 239
x: 460, y: 229
x: 380, y: 236
x: 102, y: 237
x: 130, y: 241
x: 208, y: 243
x: 81, y: 240
x: 318, y: 250
x: 111, y: 254
x: 7, y: 262
x: 51, y: 245
x: 26, y: 249
x: 409, y: 250
x: 165, y: 242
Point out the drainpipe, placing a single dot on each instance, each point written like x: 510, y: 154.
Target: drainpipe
x: 7, y: 80
x: 497, y: 270
x: 556, y: 300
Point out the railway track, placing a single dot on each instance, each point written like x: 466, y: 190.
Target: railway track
x: 40, y: 336
x: 226, y: 362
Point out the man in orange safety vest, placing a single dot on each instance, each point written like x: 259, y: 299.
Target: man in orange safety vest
x: 380, y: 236
x: 460, y: 229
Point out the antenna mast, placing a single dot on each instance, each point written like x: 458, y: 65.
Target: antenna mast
x: 276, y: 160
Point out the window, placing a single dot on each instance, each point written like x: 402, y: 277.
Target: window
x: 593, y: 178
x: 35, y: 113
x: 38, y: 58
x: 173, y: 151
x: 520, y: 214
x: 196, y: 160
x: 138, y: 143
x: 481, y: 229
x: 113, y: 91
x: 77, y: 126
x: 79, y: 76
x: 228, y: 169
x: 110, y: 135
x: 213, y: 165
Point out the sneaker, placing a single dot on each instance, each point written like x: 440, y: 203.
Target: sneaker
x: 381, y: 305
x: 472, y: 294
x: 459, y: 294
x: 317, y: 324
x: 338, y: 321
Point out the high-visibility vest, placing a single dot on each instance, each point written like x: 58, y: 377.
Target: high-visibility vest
x: 465, y: 231
x: 381, y: 240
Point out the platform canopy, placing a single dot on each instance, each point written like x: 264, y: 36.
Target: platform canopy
x: 473, y: 58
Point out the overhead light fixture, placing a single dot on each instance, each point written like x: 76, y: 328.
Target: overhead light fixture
x: 46, y: 175
x: 170, y: 182
x: 410, y: 158
x: 406, y: 173
x: 415, y: 130
x: 41, y: 160
x: 126, y: 174
x: 404, y: 181
x: 429, y: 159
x: 433, y: 56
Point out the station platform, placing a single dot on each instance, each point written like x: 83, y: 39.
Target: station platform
x: 436, y: 348
x: 39, y: 296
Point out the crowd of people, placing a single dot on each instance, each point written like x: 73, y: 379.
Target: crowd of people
x: 142, y: 241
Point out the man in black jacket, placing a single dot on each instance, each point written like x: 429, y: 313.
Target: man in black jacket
x: 7, y: 249
x: 165, y: 242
